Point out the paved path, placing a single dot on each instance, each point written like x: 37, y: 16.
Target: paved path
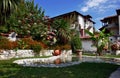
x: 115, y: 74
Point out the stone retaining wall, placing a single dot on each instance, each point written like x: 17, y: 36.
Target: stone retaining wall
x: 7, y: 54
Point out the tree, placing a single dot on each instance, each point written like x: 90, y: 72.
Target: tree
x: 76, y: 43
x: 28, y: 20
x: 99, y: 40
x: 6, y: 8
x: 63, y: 31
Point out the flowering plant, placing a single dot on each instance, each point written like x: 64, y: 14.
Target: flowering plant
x: 115, y: 46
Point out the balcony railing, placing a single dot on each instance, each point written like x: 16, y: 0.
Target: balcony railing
x: 112, y: 25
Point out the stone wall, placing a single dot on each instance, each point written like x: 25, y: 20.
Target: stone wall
x: 8, y: 54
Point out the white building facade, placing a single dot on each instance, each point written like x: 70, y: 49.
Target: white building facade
x: 112, y: 25
x: 80, y: 23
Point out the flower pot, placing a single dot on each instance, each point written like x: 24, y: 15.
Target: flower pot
x: 79, y: 53
x: 56, y: 52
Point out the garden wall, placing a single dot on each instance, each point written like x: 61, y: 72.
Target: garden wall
x: 7, y: 54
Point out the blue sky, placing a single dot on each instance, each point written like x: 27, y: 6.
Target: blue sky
x: 98, y: 9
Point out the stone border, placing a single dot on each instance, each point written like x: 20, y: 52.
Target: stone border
x: 47, y: 62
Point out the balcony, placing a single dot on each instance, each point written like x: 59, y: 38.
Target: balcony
x: 113, y: 25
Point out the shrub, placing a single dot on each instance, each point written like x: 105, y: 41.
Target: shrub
x: 6, y: 44
x: 57, y: 47
x: 3, y: 29
x: 66, y: 47
x: 36, y: 48
x: 43, y: 45
x: 76, y: 42
x: 25, y: 43
x: 29, y: 42
x: 22, y: 44
x: 115, y: 46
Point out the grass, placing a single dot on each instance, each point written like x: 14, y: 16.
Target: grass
x: 83, y: 70
x: 112, y: 56
x: 105, y: 55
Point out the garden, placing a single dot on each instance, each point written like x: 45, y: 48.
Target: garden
x: 39, y: 37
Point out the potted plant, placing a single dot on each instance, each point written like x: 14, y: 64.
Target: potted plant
x: 36, y: 48
x: 77, y: 45
x: 115, y: 47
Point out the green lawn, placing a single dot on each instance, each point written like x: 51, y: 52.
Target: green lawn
x: 83, y: 70
x: 107, y: 56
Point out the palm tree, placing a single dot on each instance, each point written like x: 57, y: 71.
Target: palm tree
x: 6, y: 8
x: 99, y: 41
x: 63, y: 31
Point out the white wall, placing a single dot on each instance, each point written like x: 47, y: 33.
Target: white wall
x: 112, y: 39
x: 89, y: 23
x: 87, y: 45
x: 81, y: 21
x: 86, y: 25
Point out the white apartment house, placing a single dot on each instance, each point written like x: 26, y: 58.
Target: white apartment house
x: 80, y: 23
x: 112, y: 24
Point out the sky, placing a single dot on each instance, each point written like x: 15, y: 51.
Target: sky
x: 98, y: 9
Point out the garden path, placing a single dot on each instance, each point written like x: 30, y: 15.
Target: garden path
x: 115, y: 74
